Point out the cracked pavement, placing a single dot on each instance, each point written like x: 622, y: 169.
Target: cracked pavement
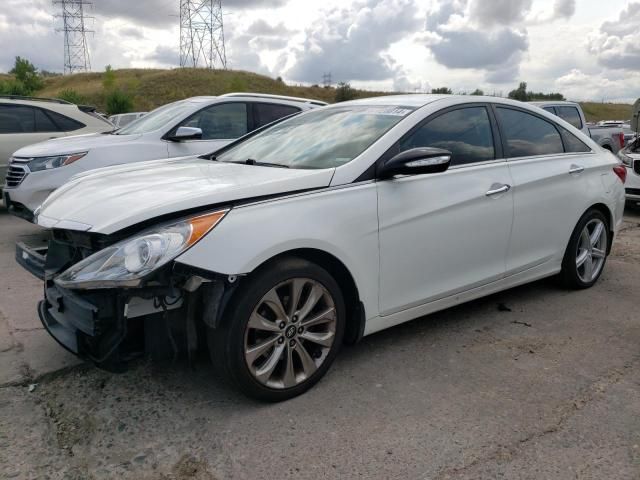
x: 533, y: 383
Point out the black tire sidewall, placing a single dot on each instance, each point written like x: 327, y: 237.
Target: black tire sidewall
x: 569, y: 270
x: 228, y: 340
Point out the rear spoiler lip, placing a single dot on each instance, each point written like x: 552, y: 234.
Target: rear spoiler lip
x: 87, y: 108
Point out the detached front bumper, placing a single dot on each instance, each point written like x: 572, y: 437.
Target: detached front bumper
x: 110, y: 326
x: 91, y: 327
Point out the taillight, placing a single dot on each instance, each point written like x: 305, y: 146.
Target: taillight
x: 621, y: 139
x: 621, y: 172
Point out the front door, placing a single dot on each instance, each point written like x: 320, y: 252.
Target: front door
x: 220, y: 124
x: 441, y: 234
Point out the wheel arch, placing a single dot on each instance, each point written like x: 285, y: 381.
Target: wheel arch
x: 606, y: 211
x: 356, y: 318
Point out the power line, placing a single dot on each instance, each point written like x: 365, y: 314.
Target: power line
x: 202, y: 34
x: 76, y: 49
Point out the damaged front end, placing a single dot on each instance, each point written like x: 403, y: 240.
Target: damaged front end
x: 109, y: 299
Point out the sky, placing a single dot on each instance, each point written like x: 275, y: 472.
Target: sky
x: 585, y: 49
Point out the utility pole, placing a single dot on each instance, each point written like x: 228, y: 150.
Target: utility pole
x: 326, y: 79
x: 202, y: 34
x: 76, y: 49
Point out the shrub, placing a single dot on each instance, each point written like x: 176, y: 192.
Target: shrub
x: 72, y: 96
x: 13, y: 87
x: 119, y: 102
x: 344, y: 92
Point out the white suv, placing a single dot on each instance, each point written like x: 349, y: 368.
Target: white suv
x: 28, y: 120
x: 123, y: 119
x: 193, y: 126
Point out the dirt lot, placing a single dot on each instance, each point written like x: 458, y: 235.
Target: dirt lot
x: 533, y: 383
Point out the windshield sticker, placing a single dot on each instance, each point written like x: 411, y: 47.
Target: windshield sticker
x: 394, y: 111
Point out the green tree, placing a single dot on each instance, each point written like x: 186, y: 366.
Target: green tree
x: 477, y: 91
x: 27, y: 74
x: 344, y: 92
x: 108, y: 78
x: 118, y: 101
x: 442, y: 90
x: 520, y: 93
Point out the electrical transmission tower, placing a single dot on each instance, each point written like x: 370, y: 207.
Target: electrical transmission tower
x: 202, y: 34
x: 76, y: 49
x: 326, y: 79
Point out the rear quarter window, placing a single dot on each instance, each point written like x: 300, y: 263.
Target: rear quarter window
x: 65, y: 123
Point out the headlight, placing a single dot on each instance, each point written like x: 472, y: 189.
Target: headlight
x: 47, y: 163
x: 626, y: 159
x: 126, y: 263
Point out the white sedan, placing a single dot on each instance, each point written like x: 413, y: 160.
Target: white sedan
x: 322, y: 228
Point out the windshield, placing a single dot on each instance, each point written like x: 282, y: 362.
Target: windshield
x: 322, y: 138
x: 156, y: 119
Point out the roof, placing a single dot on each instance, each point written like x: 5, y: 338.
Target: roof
x: 274, y: 97
x: 552, y: 102
x: 411, y: 100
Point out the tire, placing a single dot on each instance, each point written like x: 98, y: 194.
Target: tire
x: 290, y: 337
x: 581, y: 265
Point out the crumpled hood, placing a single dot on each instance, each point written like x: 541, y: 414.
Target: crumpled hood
x: 73, y: 144
x: 110, y: 199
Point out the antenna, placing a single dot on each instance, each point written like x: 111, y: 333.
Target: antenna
x: 76, y: 49
x: 202, y: 34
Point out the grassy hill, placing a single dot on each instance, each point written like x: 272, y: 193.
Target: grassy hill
x: 151, y: 88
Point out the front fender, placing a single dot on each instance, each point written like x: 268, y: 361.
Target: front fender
x: 342, y: 222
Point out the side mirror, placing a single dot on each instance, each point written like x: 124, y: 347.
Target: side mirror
x: 416, y: 161
x: 186, y: 133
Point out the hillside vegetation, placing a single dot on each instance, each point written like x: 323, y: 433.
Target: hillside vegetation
x: 151, y: 88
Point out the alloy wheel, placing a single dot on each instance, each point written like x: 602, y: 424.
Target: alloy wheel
x: 591, y: 251
x: 290, y: 333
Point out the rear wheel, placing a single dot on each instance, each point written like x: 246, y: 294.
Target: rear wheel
x: 283, y: 330
x: 586, y: 253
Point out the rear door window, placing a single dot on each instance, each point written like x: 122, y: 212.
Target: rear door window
x: 465, y: 132
x: 571, y: 115
x: 572, y: 143
x: 221, y: 121
x: 17, y: 119
x: 265, y: 113
x: 526, y: 135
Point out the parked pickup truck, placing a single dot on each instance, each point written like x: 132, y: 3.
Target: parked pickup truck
x: 609, y: 137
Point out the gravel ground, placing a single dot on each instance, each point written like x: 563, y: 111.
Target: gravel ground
x: 533, y: 383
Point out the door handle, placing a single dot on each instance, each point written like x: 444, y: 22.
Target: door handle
x: 498, y: 188
x: 576, y: 169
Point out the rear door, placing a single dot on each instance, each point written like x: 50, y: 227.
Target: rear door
x: 265, y: 113
x: 220, y: 123
x: 22, y: 125
x: 445, y: 233
x: 551, y: 169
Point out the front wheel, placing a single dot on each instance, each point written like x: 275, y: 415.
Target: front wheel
x: 282, y: 330
x: 586, y: 253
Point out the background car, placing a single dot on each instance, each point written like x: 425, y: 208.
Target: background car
x: 610, y: 137
x: 329, y: 225
x: 123, y: 119
x: 630, y: 156
x: 28, y: 120
x: 188, y: 127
